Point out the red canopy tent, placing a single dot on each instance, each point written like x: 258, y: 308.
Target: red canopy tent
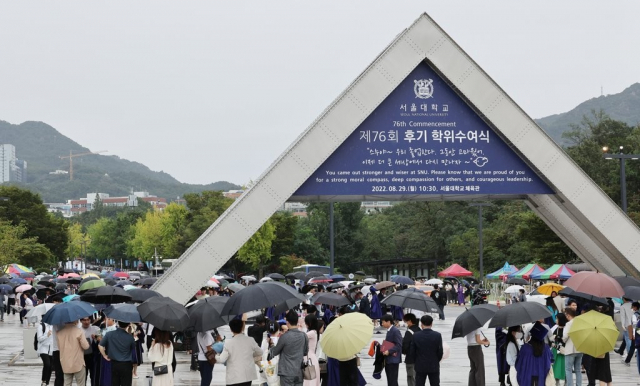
x: 455, y: 270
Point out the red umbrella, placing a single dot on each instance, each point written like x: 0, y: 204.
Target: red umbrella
x: 120, y: 274
x: 317, y: 280
x: 596, y: 284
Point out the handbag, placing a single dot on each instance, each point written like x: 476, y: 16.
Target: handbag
x: 210, y: 355
x: 159, y: 370
x: 308, y: 370
x: 322, y: 363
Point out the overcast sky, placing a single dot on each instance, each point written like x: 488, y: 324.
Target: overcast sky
x: 210, y: 91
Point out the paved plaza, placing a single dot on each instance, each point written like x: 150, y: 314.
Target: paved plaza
x: 17, y: 371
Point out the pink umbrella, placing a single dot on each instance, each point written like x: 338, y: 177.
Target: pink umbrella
x: 596, y: 284
x: 120, y: 274
x: 70, y: 274
x: 22, y: 288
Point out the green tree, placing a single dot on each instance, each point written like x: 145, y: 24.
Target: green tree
x: 288, y: 262
x: 15, y: 247
x: 285, y: 224
x: 147, y: 236
x: 25, y: 207
x: 257, y: 250
x: 174, y: 223
x: 102, y: 233
x: 77, y: 241
x: 204, y: 209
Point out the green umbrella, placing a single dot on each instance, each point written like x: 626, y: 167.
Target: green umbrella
x: 91, y: 284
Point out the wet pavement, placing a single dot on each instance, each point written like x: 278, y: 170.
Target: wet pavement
x: 17, y: 371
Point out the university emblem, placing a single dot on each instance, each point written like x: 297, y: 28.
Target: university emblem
x: 423, y: 88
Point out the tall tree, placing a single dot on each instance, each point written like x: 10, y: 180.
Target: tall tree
x: 257, y: 250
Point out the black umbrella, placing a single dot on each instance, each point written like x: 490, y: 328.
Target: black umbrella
x: 123, y: 313
x: 164, y: 314
x: 296, y: 275
x: 472, y: 319
x: 329, y: 298
x: 568, y: 292
x: 517, y: 281
x: 276, y: 276
x: 519, y: 313
x: 47, y: 277
x: 288, y: 304
x: 451, y: 278
x: 109, y: 281
x: 411, y: 298
x: 73, y: 280
x: 42, y: 292
x: 356, y: 287
x: 148, y: 281
x: 335, y: 286
x: 106, y: 295
x: 60, y: 286
x: 140, y: 295
x: 632, y: 293
x: 206, y: 315
x: 4, y: 280
x: 258, y: 296
x: 361, y: 273
x: 62, y: 280
x: 47, y: 283
x: 56, y: 297
x: 403, y: 280
x: 626, y: 281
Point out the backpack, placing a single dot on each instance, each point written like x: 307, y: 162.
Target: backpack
x: 35, y: 337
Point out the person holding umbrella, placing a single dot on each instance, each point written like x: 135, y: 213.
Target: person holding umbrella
x: 475, y: 341
x: 572, y: 358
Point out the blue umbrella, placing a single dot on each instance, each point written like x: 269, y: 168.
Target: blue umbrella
x: 337, y: 277
x: 69, y: 298
x: 403, y: 280
x: 123, y: 313
x: 5, y: 288
x: 68, y: 312
x: 18, y: 280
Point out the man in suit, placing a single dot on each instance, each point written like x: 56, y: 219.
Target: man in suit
x: 393, y: 355
x: 426, y: 352
x: 412, y: 328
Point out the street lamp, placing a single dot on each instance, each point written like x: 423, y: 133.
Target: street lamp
x: 623, y: 178
x: 480, y: 205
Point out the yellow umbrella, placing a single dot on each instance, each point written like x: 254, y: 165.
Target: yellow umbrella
x: 86, y: 275
x: 593, y: 333
x: 547, y: 289
x: 346, y: 336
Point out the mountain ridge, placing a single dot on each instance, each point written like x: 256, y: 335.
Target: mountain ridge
x: 41, y: 145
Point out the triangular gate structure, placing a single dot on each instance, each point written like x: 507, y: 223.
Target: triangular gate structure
x: 409, y: 83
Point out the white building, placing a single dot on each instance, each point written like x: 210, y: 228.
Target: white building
x: 11, y: 168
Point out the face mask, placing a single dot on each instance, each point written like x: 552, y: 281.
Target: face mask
x: 519, y: 335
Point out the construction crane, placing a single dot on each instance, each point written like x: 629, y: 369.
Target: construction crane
x: 71, y: 156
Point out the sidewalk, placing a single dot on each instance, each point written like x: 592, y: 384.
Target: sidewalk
x: 453, y: 371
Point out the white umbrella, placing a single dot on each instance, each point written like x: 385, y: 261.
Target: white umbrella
x: 248, y: 278
x: 346, y: 283
x: 39, y: 310
x: 235, y: 287
x: 513, y: 289
x: 370, y: 280
x: 212, y: 284
x: 433, y: 281
x: 266, y: 278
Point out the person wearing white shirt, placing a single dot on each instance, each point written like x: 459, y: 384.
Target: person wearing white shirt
x: 205, y: 343
x: 514, y: 342
x: 572, y: 357
x: 475, y: 340
x: 44, y: 335
x: 626, y: 320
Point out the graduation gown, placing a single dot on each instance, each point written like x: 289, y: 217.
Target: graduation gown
x: 529, y: 366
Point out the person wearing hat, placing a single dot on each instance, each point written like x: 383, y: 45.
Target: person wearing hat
x: 534, y: 358
x: 376, y: 309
